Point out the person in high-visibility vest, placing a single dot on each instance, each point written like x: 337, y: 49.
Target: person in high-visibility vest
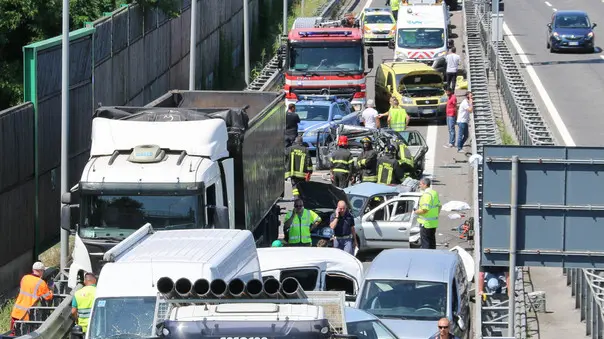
x: 32, y: 289
x: 83, y: 301
x: 368, y: 162
x: 299, y: 164
x: 427, y: 214
x: 389, y: 171
x: 394, y: 6
x: 398, y: 119
x: 299, y: 223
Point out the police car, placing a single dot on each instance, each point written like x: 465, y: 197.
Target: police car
x: 378, y: 24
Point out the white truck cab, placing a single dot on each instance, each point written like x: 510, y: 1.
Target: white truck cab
x: 422, y: 32
x: 126, y: 293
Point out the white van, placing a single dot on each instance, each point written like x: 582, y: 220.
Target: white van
x: 127, y: 293
x: 422, y: 32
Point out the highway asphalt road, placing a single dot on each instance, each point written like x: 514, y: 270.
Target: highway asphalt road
x: 449, y: 170
x: 568, y: 85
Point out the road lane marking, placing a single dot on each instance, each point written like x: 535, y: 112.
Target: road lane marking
x: 602, y: 56
x: 430, y: 160
x: 553, y: 112
x: 550, y: 5
x: 555, y: 10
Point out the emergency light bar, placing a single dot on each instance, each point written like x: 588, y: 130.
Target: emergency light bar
x: 311, y: 34
x: 318, y: 97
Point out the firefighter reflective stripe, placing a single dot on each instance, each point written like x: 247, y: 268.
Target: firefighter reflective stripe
x: 369, y: 178
x: 32, y: 288
x: 342, y: 161
x: 84, y: 299
x: 297, y: 162
x: 402, y: 148
x: 299, y: 230
x: 430, y: 202
x: 398, y: 119
x: 385, y: 171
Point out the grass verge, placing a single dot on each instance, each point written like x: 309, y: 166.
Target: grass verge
x: 506, y: 138
x: 50, y: 258
x: 268, y: 51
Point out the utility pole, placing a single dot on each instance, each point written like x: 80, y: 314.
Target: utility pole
x: 193, y: 46
x: 496, y: 34
x: 284, y: 17
x: 64, y: 252
x: 246, y: 41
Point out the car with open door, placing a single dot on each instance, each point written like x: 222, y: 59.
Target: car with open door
x: 381, y: 139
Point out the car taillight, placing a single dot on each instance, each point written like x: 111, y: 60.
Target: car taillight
x: 291, y: 96
x: 359, y: 95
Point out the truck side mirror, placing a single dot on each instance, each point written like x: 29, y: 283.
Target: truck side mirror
x: 220, y: 215
x: 549, y: 26
x: 66, y: 217
x: 391, y: 43
x: 76, y: 332
x: 370, y: 58
x: 594, y: 25
x: 66, y: 198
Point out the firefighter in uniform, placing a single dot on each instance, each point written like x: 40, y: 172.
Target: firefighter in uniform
x: 32, y: 289
x: 389, y: 171
x: 299, y: 164
x: 299, y: 223
x: 342, y: 163
x: 368, y: 162
x: 83, y: 300
x: 404, y: 158
x: 427, y: 214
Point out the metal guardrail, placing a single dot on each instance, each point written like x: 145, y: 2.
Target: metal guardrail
x: 526, y: 119
x: 271, y: 75
x: 587, y: 286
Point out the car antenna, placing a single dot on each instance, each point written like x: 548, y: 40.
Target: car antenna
x: 408, y: 268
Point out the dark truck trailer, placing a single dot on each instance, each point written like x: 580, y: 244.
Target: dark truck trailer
x: 259, y: 160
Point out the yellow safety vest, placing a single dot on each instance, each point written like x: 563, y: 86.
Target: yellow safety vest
x: 298, y: 163
x: 299, y: 230
x: 398, y: 119
x: 394, y: 5
x: 403, y: 158
x: 429, y: 201
x: 85, y: 299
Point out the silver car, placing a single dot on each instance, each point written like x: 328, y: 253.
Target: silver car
x: 411, y: 289
x: 365, y: 325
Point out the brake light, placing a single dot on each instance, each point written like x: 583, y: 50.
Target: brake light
x: 291, y: 96
x: 359, y: 95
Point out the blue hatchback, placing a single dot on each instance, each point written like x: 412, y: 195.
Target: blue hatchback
x: 570, y: 30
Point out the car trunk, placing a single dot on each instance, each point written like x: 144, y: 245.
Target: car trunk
x: 322, y: 198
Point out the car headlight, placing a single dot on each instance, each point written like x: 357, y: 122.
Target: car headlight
x: 440, y: 54
x: 556, y: 36
x: 590, y: 35
x: 407, y: 101
x: 444, y: 99
x: 400, y: 55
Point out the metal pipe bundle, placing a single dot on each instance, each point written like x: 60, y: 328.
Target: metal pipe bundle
x: 291, y: 289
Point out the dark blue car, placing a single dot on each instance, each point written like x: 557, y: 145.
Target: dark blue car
x: 570, y: 30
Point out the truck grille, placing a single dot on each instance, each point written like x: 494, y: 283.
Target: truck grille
x: 341, y: 92
x: 381, y: 32
x: 426, y: 102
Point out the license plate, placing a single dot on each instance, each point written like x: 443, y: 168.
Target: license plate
x: 380, y: 36
x: 573, y: 43
x: 428, y: 111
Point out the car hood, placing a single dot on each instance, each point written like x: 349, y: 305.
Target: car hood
x: 573, y: 31
x: 411, y: 329
x: 355, y: 133
x: 430, y: 78
x: 305, y: 126
x: 319, y: 195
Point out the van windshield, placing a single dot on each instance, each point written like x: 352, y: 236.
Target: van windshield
x: 125, y: 317
x: 405, y: 299
x: 421, y: 38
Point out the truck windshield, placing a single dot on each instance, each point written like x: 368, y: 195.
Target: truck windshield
x: 329, y: 57
x: 277, y: 329
x: 118, y: 216
x: 405, y: 299
x: 126, y: 317
x: 421, y: 38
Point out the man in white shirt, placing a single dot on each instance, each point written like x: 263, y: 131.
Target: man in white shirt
x: 453, y: 61
x: 369, y: 117
x: 463, y: 120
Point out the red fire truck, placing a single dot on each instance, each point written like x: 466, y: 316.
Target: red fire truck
x: 326, y: 58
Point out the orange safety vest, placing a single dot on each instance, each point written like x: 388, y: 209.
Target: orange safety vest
x: 32, y: 289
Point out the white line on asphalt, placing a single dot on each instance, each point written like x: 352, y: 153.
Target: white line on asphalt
x: 602, y: 56
x: 555, y: 10
x: 550, y: 5
x: 553, y: 112
x: 431, y: 135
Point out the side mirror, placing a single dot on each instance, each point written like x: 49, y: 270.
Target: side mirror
x: 66, y: 198
x: 76, y: 332
x: 391, y: 43
x: 369, y: 217
x: 549, y: 26
x: 66, y: 218
x: 370, y: 60
x: 220, y: 215
x: 337, y: 117
x: 594, y: 25
x: 460, y: 323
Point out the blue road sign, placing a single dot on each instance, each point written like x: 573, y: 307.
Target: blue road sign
x: 559, y: 209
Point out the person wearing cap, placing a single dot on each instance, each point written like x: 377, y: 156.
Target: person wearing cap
x: 32, y: 289
x: 342, y: 163
x: 368, y: 162
x: 369, y: 117
x: 299, y: 164
x: 83, y: 300
x: 389, y: 171
x: 496, y: 277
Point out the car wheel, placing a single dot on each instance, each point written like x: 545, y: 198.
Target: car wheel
x: 552, y: 49
x: 591, y: 50
x: 547, y: 45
